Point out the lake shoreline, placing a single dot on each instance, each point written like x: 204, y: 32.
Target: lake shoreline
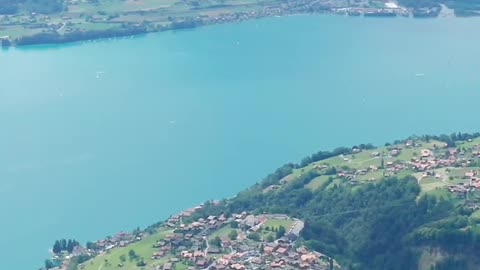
x: 199, y: 21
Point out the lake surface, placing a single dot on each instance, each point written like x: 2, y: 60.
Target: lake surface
x: 106, y: 136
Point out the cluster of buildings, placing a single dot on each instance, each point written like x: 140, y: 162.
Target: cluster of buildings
x: 428, y: 161
x: 277, y: 255
x: 472, y: 183
x: 121, y: 239
x: 191, y: 247
x: 191, y: 244
x: 359, y: 8
x: 425, y: 160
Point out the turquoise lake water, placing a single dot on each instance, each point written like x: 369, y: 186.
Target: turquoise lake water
x: 101, y: 137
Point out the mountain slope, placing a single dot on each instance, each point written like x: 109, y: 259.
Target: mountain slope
x: 381, y: 208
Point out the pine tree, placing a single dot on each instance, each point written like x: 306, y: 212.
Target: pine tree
x: 270, y: 238
x: 56, y: 247
x: 132, y: 255
x: 69, y: 245
x: 233, y: 235
x: 72, y: 243
x: 281, y: 231
x: 63, y: 245
x: 49, y: 264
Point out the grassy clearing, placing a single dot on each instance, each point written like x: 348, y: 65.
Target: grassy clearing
x: 276, y: 223
x: 460, y: 172
x: 476, y: 215
x: 408, y: 154
x: 318, y: 182
x: 428, y: 180
x: 404, y: 173
x: 471, y: 144
x: 371, y: 176
x: 432, y: 186
x: 298, y: 172
x: 289, y: 178
x: 440, y: 193
x: 181, y: 266
x: 336, y: 181
x: 333, y: 161
x: 357, y: 161
x: 117, y: 6
x: 222, y: 232
x: 143, y: 248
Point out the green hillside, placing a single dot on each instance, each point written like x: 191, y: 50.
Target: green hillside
x: 412, y: 204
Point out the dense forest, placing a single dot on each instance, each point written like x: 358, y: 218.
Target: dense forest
x: 387, y: 225
x: 37, y: 6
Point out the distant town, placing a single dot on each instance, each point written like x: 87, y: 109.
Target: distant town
x: 91, y: 19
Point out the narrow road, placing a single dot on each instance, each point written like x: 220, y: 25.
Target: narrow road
x: 206, y: 252
x: 208, y: 245
x: 61, y: 28
x: 297, y: 227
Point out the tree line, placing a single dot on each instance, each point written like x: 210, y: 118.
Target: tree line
x: 54, y: 37
x: 64, y: 245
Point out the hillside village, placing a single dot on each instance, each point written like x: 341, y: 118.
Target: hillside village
x: 440, y: 169
x: 258, y: 242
